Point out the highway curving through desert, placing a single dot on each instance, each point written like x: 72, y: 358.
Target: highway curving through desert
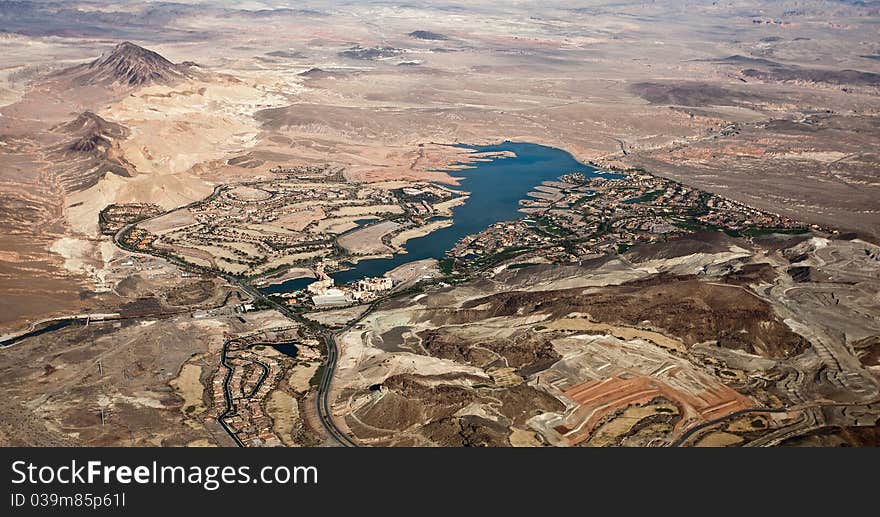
x: 322, y: 397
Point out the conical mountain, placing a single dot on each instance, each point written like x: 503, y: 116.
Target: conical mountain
x: 129, y: 65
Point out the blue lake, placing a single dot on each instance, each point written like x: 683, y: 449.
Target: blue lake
x: 495, y: 188
x: 287, y: 349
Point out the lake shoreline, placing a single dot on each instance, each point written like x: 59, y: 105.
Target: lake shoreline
x: 495, y: 185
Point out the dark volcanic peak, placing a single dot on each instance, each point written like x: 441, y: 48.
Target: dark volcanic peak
x: 90, y: 149
x: 313, y: 72
x: 88, y: 124
x: 129, y: 65
x: 318, y: 73
x: 428, y: 35
x: 134, y: 65
x: 91, y: 143
x: 128, y: 51
x: 370, y: 54
x: 90, y: 133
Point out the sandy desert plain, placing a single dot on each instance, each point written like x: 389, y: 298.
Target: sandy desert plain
x: 182, y: 185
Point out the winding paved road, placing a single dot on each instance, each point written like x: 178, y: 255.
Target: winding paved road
x: 323, y: 393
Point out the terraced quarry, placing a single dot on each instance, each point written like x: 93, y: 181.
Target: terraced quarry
x: 660, y: 346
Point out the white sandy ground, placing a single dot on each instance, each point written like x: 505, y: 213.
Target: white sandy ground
x: 175, y: 131
x: 86, y: 257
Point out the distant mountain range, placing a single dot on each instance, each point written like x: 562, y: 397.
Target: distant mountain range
x: 428, y: 35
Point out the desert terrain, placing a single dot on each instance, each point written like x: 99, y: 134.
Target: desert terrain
x: 183, y: 183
